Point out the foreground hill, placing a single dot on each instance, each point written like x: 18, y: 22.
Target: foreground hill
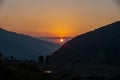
x: 101, y: 46
x: 24, y: 47
x: 22, y: 71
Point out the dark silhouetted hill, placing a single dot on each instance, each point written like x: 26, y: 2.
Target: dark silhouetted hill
x: 101, y: 46
x: 24, y: 47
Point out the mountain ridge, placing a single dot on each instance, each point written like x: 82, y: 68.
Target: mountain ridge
x: 24, y: 46
x: 94, y: 47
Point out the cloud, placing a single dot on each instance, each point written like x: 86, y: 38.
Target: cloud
x: 118, y: 1
x: 1, y: 2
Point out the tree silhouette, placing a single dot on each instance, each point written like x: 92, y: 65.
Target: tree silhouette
x: 12, y: 58
x: 0, y: 54
x: 47, y: 59
x: 1, y: 57
x: 40, y: 59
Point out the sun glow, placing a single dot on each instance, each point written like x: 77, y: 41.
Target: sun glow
x: 61, y: 40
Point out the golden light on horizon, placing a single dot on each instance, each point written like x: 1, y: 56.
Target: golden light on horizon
x: 61, y: 40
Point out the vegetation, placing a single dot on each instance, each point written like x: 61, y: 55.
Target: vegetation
x: 30, y: 70
x: 47, y: 59
x: 1, y: 57
x: 41, y: 59
x: 22, y: 71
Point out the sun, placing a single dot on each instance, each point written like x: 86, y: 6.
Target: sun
x: 61, y: 40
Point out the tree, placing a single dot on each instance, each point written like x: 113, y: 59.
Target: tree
x: 1, y: 57
x: 40, y: 59
x: 47, y: 59
x: 12, y: 58
x: 1, y: 54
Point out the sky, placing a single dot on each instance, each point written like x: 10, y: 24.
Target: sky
x: 60, y: 18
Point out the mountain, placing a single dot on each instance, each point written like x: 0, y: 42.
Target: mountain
x: 24, y: 47
x: 101, y: 46
x: 55, y: 39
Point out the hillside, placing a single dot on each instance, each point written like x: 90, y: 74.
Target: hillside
x: 24, y: 47
x: 101, y: 46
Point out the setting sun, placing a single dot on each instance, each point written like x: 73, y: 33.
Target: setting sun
x: 61, y: 40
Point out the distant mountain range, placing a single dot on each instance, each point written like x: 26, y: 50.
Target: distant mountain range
x: 101, y: 46
x: 55, y: 40
x: 24, y: 47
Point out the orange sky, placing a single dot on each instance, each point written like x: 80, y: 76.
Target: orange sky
x: 57, y: 17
